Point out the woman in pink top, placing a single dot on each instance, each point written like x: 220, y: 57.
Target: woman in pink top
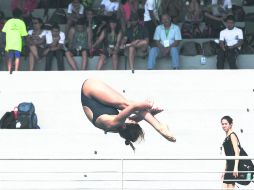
x: 127, y: 7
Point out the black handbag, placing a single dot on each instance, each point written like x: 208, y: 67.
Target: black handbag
x: 245, y: 168
x: 210, y: 48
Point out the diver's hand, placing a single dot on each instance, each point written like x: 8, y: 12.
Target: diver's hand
x: 142, y: 106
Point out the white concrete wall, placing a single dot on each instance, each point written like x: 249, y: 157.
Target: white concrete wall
x: 194, y: 102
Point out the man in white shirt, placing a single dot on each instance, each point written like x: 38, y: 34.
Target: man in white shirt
x: 151, y: 17
x: 225, y: 4
x: 75, y: 11
x: 231, y: 40
x: 109, y: 6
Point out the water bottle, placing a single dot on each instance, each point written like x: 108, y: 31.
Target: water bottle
x: 78, y: 49
x: 15, y: 113
x: 203, y: 59
x: 18, y: 125
x: 248, y: 178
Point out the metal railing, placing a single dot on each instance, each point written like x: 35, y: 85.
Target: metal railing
x: 114, y: 174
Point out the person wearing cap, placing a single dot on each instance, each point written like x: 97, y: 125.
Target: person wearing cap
x: 167, y: 39
x: 135, y: 40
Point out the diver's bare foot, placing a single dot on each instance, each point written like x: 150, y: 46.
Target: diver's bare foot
x: 167, y: 133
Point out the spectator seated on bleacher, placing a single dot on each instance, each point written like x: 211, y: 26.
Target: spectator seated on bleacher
x: 194, y: 11
x: 173, y: 8
x: 97, y: 24
x: 193, y: 17
x: 55, y: 40
x: 92, y: 4
x: 224, y: 4
x: 79, y: 43
x: 215, y: 14
x: 75, y: 11
x: 90, y: 19
x: 231, y: 40
x: 98, y: 47
x: 135, y: 41
x: 167, y: 38
x: 36, y: 42
x: 126, y: 8
x: 113, y: 40
x: 109, y: 7
x: 151, y: 18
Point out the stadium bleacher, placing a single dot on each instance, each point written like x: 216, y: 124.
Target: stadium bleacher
x: 187, y: 62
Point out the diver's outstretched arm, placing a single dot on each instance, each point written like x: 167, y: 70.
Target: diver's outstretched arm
x: 137, y: 117
x: 131, y: 109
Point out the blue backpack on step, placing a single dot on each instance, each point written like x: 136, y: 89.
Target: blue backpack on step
x: 27, y: 116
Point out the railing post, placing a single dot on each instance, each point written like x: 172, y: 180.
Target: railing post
x: 122, y: 174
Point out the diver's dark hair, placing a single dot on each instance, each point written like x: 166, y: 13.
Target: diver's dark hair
x: 228, y: 118
x: 131, y: 133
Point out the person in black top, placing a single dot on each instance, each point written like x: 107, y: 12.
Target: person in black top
x: 231, y: 148
x: 135, y: 38
x: 101, y: 104
x: 97, y: 26
x: 113, y: 39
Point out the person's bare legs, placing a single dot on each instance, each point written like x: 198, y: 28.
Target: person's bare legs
x: 31, y: 61
x: 68, y: 26
x: 138, y: 44
x: 17, y: 63
x: 34, y: 51
x: 33, y: 57
x: 228, y: 186
x: 114, y: 61
x: 143, y: 44
x: 131, y: 56
x: 70, y: 60
x: 9, y: 62
x: 84, y: 60
x: 105, y: 94
x: 101, y: 62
